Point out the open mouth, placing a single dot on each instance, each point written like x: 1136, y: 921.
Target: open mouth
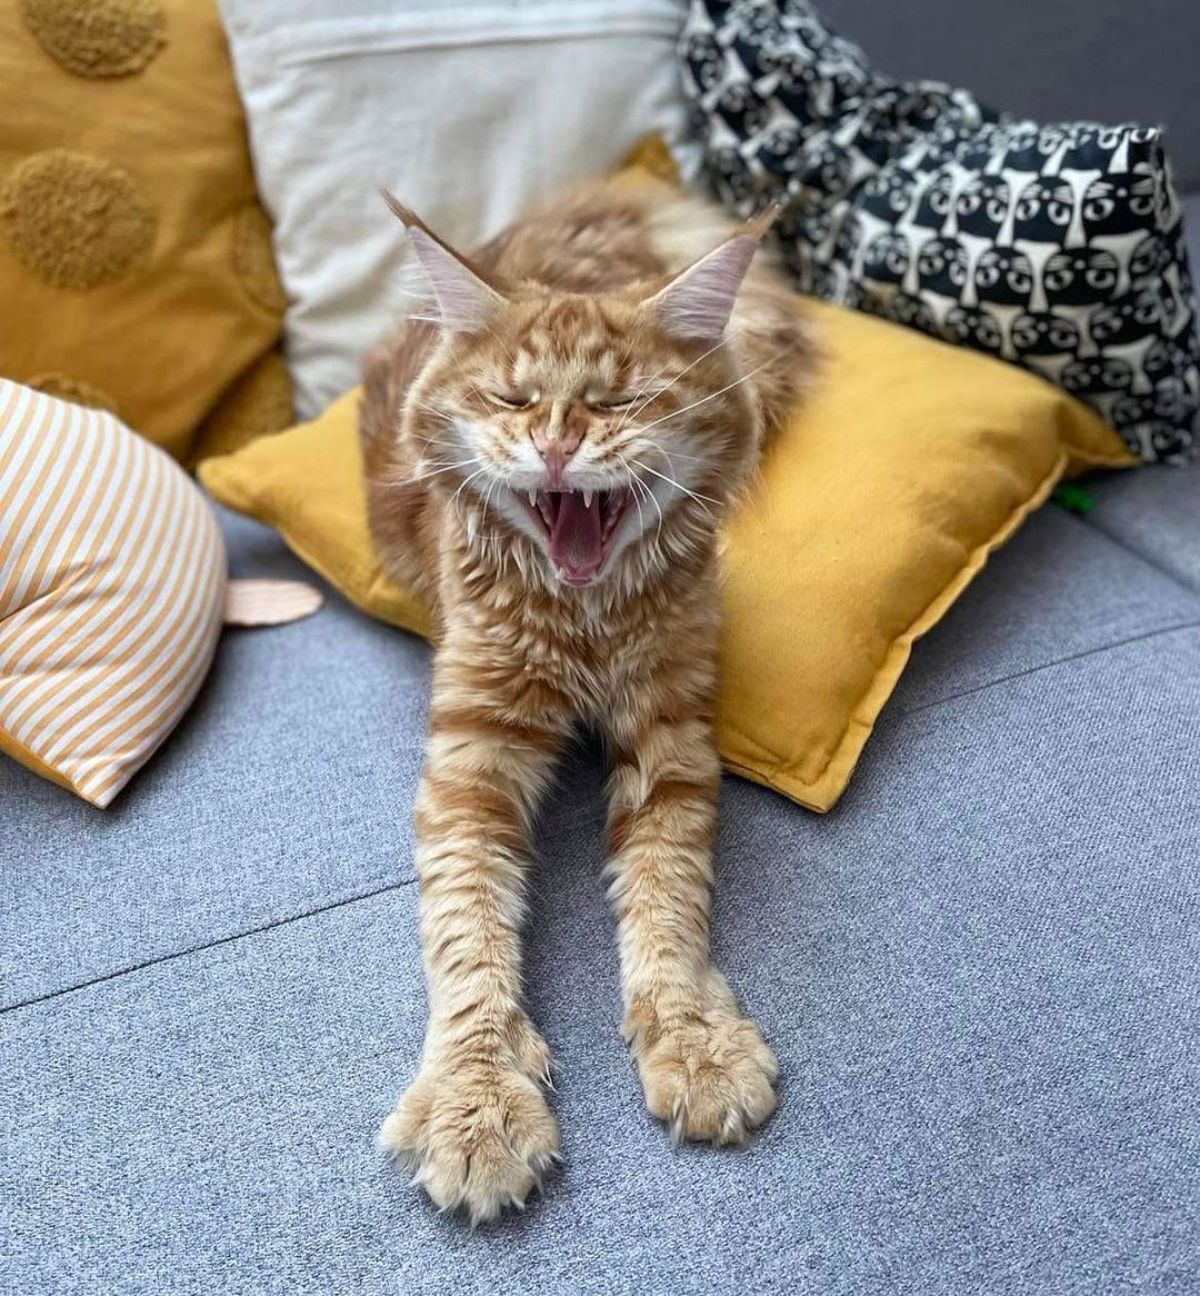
x: 579, y: 527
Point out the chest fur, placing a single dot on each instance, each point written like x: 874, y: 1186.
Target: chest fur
x: 588, y: 655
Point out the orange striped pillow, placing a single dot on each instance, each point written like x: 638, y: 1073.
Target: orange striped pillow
x: 112, y: 579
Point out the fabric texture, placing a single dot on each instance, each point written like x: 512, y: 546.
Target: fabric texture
x: 980, y: 975
x: 1155, y: 518
x: 1059, y: 247
x: 135, y: 261
x: 908, y: 465
x: 112, y: 582
x: 467, y: 111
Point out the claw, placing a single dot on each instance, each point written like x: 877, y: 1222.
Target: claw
x: 733, y: 1130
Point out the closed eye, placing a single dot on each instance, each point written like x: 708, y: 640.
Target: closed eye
x: 613, y: 402
x: 512, y: 400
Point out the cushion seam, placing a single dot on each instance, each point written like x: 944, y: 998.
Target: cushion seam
x: 1144, y: 558
x: 207, y: 945
x: 1058, y: 661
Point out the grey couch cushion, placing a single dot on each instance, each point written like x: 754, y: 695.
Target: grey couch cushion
x: 1057, y: 592
x: 1155, y: 514
x: 288, y: 787
x: 979, y: 972
x: 1104, y: 59
x: 980, y: 976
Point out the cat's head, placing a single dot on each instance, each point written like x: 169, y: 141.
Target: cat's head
x: 591, y: 423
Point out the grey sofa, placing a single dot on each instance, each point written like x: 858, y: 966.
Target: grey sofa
x: 979, y: 972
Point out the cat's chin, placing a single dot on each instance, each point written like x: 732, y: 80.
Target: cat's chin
x: 574, y: 581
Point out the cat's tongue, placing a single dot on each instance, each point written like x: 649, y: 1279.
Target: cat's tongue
x: 576, y: 544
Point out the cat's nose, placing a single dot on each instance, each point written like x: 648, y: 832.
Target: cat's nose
x: 555, y: 446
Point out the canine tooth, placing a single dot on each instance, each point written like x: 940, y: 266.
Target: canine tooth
x: 533, y: 498
x: 587, y: 499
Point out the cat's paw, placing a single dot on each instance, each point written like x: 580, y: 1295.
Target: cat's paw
x: 477, y: 1136
x: 708, y: 1075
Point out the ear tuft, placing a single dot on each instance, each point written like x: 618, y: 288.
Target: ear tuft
x: 697, y: 303
x: 465, y: 300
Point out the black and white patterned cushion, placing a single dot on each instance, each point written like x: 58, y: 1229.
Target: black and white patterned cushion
x: 1058, y: 247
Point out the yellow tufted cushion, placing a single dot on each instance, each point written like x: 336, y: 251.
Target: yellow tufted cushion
x: 112, y: 577
x: 260, y: 401
x: 878, y: 504
x: 136, y: 270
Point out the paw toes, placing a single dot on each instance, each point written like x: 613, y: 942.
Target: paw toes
x: 400, y: 1132
x: 711, y: 1081
x: 480, y: 1142
x: 530, y: 1051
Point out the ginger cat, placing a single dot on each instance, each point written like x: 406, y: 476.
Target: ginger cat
x: 549, y: 449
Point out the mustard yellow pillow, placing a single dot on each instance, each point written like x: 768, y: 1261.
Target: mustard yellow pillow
x: 136, y: 271
x: 877, y: 505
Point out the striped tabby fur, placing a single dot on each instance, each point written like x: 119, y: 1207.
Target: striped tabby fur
x: 582, y: 356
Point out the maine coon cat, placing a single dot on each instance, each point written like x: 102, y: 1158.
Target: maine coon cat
x: 549, y: 449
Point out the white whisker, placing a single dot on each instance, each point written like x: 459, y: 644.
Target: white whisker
x: 438, y: 470
x: 637, y: 404
x: 487, y: 504
x: 453, y: 444
x: 639, y: 485
x: 706, y: 499
x: 634, y: 482
x: 678, y: 454
x: 413, y: 403
x: 650, y: 495
x: 712, y: 395
x: 463, y: 485
x: 678, y: 376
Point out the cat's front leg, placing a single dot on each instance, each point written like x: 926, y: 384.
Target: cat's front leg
x: 474, y: 1125
x: 704, y: 1067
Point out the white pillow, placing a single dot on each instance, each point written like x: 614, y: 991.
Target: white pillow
x: 466, y: 111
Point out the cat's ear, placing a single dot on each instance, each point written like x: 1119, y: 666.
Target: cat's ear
x: 465, y: 298
x: 697, y: 303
